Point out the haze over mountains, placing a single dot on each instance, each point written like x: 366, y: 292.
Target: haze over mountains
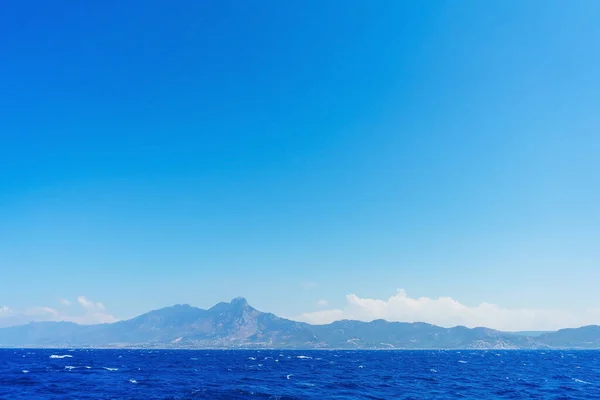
x: 238, y: 325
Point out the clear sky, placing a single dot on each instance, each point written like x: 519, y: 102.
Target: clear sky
x: 296, y: 153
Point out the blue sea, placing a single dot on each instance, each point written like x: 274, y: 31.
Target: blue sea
x: 272, y: 374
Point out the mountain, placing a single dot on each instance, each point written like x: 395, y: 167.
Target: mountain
x: 238, y: 325
x: 586, y: 337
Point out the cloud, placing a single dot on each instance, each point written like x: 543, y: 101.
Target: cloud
x: 65, y: 302
x: 447, y: 312
x: 88, y: 313
x: 322, y: 303
x: 84, y: 302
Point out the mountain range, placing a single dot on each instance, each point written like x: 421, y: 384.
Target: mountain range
x: 238, y: 325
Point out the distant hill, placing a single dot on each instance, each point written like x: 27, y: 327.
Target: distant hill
x: 238, y: 325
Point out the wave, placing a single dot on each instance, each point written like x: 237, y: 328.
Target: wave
x: 61, y: 356
x: 72, y: 367
x: 580, y: 381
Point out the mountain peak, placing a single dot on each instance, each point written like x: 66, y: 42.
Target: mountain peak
x: 239, y: 301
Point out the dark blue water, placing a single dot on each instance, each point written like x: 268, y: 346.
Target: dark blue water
x: 201, y: 374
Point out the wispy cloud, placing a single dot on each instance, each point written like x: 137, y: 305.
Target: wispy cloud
x: 84, y: 302
x: 447, y: 312
x: 88, y: 312
x: 322, y: 303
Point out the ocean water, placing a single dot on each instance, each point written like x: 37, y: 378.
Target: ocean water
x: 272, y: 374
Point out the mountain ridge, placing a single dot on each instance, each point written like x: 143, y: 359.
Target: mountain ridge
x: 236, y: 324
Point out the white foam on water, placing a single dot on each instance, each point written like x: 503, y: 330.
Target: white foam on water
x: 70, y: 367
x: 304, y: 357
x: 289, y: 376
x: 580, y: 381
x: 110, y: 369
x: 252, y: 358
x: 462, y: 362
x: 194, y: 358
x: 361, y: 366
x: 132, y: 381
x: 61, y: 356
x: 25, y: 371
x: 433, y: 370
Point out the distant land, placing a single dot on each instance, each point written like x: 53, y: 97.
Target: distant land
x: 237, y: 325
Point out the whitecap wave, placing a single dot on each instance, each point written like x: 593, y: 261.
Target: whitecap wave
x: 133, y: 381
x: 25, y: 371
x: 61, y: 356
x: 304, y: 357
x: 580, y: 381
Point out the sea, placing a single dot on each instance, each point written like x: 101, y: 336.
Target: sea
x: 275, y: 374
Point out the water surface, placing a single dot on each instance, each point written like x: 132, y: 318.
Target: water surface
x: 248, y: 374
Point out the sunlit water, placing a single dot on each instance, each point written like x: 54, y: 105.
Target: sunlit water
x: 272, y: 374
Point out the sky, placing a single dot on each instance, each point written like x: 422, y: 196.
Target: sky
x: 415, y: 161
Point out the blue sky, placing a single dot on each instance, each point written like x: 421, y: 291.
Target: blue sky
x: 296, y: 153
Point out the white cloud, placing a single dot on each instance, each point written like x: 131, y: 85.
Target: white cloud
x: 84, y: 302
x: 447, y: 312
x: 65, y: 302
x: 88, y: 313
x: 322, y: 303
